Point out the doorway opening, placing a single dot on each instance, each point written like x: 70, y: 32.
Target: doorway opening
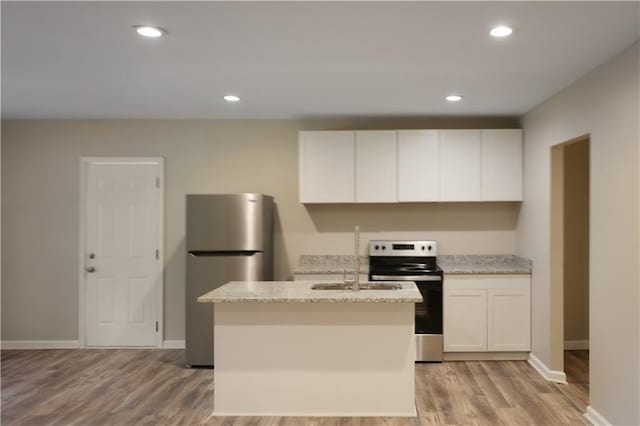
x: 570, y: 171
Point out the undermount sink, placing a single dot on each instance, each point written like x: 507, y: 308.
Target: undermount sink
x: 332, y: 286
x: 349, y: 286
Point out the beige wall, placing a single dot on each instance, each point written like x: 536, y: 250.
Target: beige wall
x: 603, y: 104
x: 40, y: 187
x: 556, y: 256
x: 576, y: 241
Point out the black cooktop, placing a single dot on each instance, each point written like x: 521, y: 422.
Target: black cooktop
x: 403, y: 265
x: 417, y: 268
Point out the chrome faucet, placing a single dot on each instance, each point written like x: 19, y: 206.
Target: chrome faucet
x: 356, y: 259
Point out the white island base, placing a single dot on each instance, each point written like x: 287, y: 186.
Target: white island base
x: 314, y: 359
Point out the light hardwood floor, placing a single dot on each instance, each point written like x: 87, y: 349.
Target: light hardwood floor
x: 576, y: 367
x: 136, y: 387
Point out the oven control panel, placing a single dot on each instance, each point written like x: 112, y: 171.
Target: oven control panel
x: 402, y: 248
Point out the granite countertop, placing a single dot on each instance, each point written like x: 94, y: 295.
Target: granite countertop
x: 450, y: 264
x: 330, y: 264
x: 301, y: 292
x: 484, y: 264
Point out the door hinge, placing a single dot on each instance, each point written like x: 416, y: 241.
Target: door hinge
x: 156, y: 326
x: 157, y: 254
x: 157, y: 182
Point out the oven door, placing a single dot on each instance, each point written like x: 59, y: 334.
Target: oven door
x: 428, y: 314
x: 429, y: 342
x: 429, y: 311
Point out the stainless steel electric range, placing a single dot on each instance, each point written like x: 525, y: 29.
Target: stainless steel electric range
x: 414, y: 261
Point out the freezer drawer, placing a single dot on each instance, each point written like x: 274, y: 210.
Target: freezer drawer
x: 207, y: 271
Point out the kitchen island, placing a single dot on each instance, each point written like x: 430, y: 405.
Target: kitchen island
x: 284, y: 349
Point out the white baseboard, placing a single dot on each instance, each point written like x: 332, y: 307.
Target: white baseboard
x: 485, y: 356
x: 173, y: 344
x: 550, y: 375
x: 596, y: 418
x: 70, y: 344
x: 40, y: 344
x: 575, y: 345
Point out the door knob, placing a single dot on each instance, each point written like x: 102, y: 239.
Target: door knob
x: 90, y: 269
x: 92, y: 256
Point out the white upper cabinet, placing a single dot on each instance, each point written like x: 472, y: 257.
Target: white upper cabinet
x: 418, y: 165
x: 326, y: 167
x: 376, y: 166
x: 460, y: 168
x: 387, y: 166
x: 502, y: 165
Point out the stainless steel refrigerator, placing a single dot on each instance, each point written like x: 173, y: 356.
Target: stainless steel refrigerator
x: 229, y: 238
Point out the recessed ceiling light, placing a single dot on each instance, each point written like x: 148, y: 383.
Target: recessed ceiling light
x: 454, y: 98
x: 501, y: 31
x: 231, y: 98
x: 148, y: 31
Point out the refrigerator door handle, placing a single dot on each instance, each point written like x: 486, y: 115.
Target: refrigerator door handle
x: 205, y: 253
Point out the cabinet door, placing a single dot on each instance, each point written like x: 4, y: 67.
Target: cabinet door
x: 509, y: 319
x: 465, y: 320
x: 460, y: 159
x: 502, y: 165
x: 376, y: 166
x: 418, y: 165
x: 326, y: 167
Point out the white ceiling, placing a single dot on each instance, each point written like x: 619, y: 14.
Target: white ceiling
x: 299, y: 59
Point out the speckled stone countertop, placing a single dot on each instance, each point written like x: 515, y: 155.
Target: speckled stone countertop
x: 301, y: 292
x: 484, y: 264
x: 330, y: 264
x: 450, y: 264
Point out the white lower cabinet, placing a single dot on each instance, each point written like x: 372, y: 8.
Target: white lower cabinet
x: 487, y: 313
x: 508, y: 319
x: 465, y: 320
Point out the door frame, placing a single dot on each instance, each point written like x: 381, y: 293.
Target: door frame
x: 557, y: 250
x: 159, y: 286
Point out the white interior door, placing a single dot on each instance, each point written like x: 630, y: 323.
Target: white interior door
x: 123, y: 281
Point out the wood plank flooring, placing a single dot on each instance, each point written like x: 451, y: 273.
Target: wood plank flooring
x: 576, y: 367
x: 151, y: 387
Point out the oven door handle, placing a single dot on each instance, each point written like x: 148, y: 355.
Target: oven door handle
x: 406, y: 278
